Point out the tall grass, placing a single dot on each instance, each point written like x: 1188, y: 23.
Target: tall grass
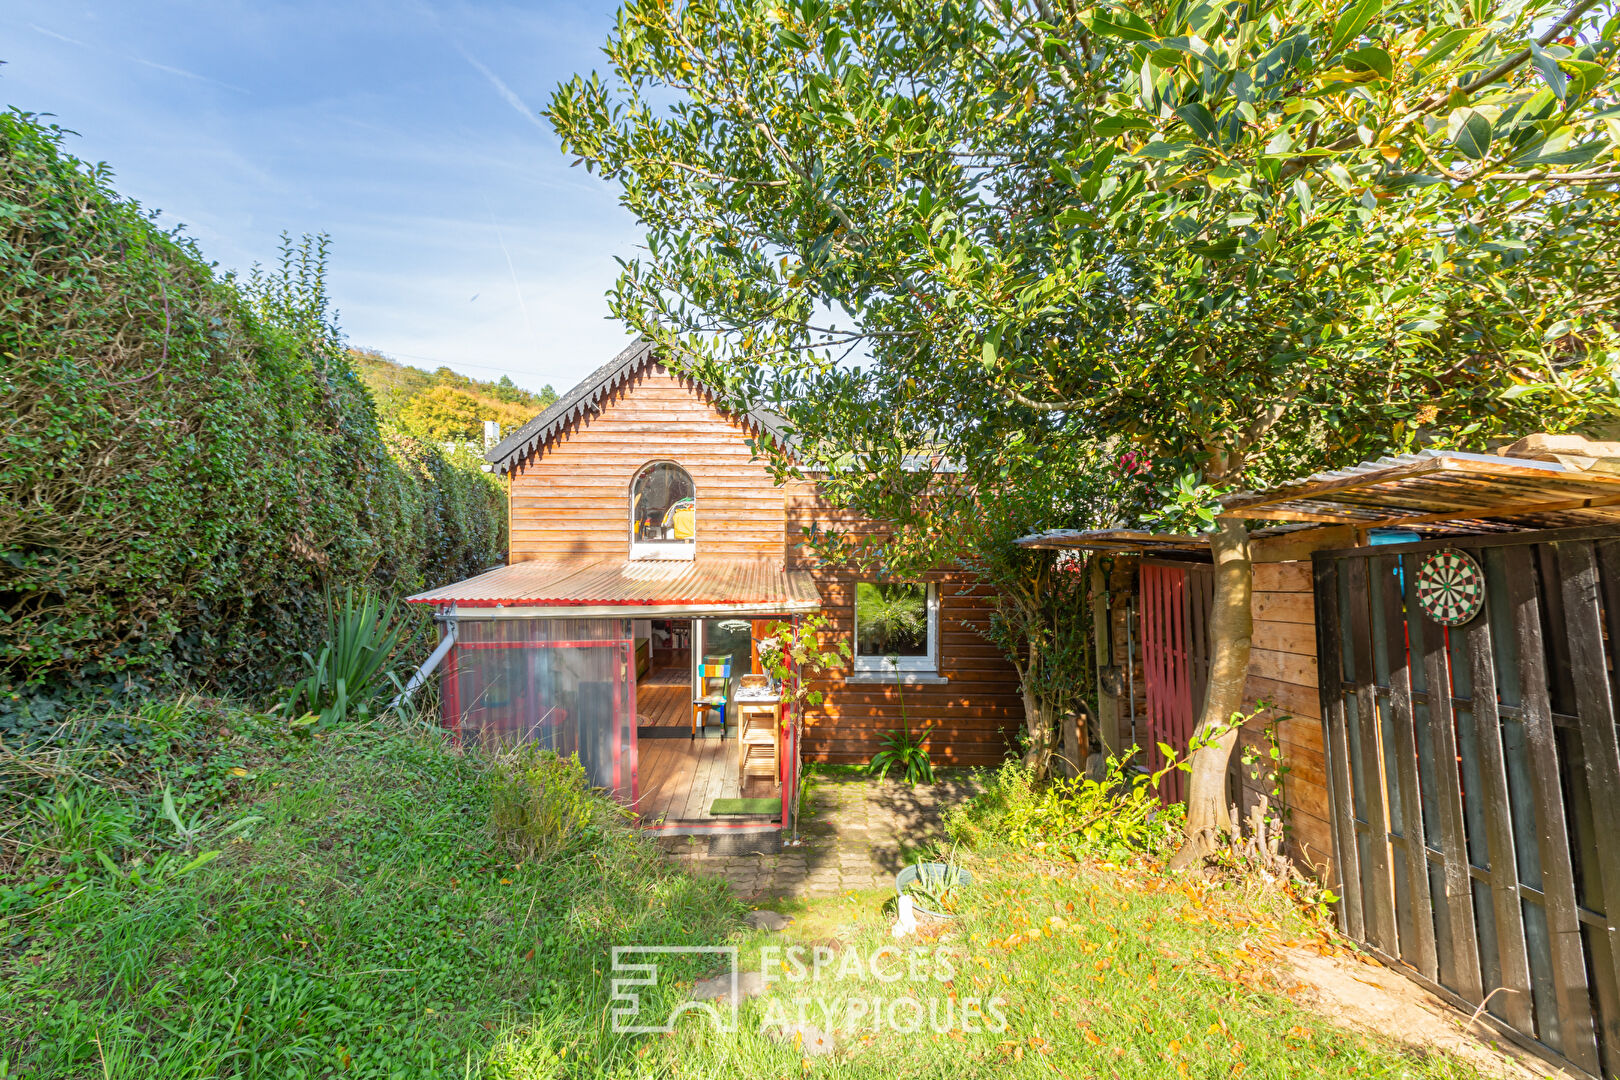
x: 365, y: 921
x: 541, y: 804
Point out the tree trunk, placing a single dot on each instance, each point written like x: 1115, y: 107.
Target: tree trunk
x: 1231, y: 629
x: 1038, y: 723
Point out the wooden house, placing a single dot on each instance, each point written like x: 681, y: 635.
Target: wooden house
x: 1437, y: 636
x: 646, y: 535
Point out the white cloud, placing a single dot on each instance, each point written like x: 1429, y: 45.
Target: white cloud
x: 181, y: 72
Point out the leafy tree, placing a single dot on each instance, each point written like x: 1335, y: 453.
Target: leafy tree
x: 1249, y: 240
x: 509, y: 391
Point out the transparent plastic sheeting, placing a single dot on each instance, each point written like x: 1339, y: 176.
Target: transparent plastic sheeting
x: 566, y: 684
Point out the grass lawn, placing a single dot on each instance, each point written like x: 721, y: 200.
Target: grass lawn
x: 1099, y: 972
x: 362, y: 920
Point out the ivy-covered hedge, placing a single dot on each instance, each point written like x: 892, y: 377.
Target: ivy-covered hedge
x: 187, y: 458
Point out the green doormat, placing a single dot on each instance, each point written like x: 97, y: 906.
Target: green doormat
x: 771, y: 807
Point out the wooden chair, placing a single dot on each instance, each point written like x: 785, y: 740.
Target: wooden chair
x: 713, y: 692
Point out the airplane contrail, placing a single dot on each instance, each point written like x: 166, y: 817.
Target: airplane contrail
x: 507, y: 93
x: 182, y: 72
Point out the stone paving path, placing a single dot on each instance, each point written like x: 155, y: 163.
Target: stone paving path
x: 857, y: 833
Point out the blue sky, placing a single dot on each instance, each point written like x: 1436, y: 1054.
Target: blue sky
x: 408, y: 131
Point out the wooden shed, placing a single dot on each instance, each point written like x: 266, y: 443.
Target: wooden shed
x: 1438, y: 634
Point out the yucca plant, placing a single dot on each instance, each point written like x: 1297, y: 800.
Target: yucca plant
x: 901, y: 749
x: 362, y: 634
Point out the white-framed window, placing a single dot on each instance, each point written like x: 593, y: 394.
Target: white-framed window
x: 663, y: 512
x: 896, y: 627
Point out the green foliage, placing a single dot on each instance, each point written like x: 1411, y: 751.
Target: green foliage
x: 906, y: 752
x: 1114, y: 817
x: 1249, y: 241
x: 444, y: 413
x: 541, y: 804
x: 394, y: 385
x: 890, y: 615
x: 188, y: 458
x: 792, y: 654
x: 938, y: 891
x: 901, y: 749
x: 363, y: 635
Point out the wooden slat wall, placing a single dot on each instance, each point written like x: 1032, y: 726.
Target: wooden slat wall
x: 571, y: 499
x: 1282, y: 670
x: 978, y: 709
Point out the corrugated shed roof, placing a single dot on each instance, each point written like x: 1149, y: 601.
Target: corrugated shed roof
x: 587, y: 396
x: 1111, y: 540
x: 1132, y: 540
x: 1447, y: 486
x: 701, y: 586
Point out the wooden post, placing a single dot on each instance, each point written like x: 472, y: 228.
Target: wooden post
x: 1107, y: 686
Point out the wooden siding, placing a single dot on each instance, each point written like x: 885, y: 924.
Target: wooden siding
x: 570, y: 499
x: 1282, y: 670
x: 978, y: 708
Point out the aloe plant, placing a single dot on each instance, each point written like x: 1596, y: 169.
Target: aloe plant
x: 362, y: 634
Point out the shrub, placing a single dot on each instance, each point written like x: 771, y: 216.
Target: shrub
x: 1115, y: 816
x: 541, y: 803
x: 187, y: 458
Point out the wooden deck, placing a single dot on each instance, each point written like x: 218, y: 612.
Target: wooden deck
x: 679, y: 777
x: 664, y: 699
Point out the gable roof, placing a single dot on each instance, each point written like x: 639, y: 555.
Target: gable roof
x: 587, y: 397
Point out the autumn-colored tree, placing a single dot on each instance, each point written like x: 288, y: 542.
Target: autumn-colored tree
x: 445, y: 414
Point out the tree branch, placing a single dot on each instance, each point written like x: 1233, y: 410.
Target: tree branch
x: 1044, y: 406
x: 722, y: 178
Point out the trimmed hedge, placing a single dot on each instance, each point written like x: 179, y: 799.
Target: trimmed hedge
x: 187, y: 458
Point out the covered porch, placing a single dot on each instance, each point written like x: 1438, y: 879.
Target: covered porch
x: 601, y: 659
x: 687, y: 770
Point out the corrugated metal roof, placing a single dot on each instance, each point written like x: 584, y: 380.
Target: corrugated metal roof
x: 586, y: 397
x: 1111, y: 540
x: 1136, y: 541
x: 639, y: 588
x: 1447, y: 486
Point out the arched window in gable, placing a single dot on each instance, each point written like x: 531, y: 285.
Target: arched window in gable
x: 663, y: 512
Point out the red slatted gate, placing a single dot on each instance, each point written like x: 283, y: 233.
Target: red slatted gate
x: 1176, y: 600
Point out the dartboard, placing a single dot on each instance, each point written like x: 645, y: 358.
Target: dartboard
x: 1450, y: 587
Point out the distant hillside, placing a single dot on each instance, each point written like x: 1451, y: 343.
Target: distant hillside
x: 443, y: 405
